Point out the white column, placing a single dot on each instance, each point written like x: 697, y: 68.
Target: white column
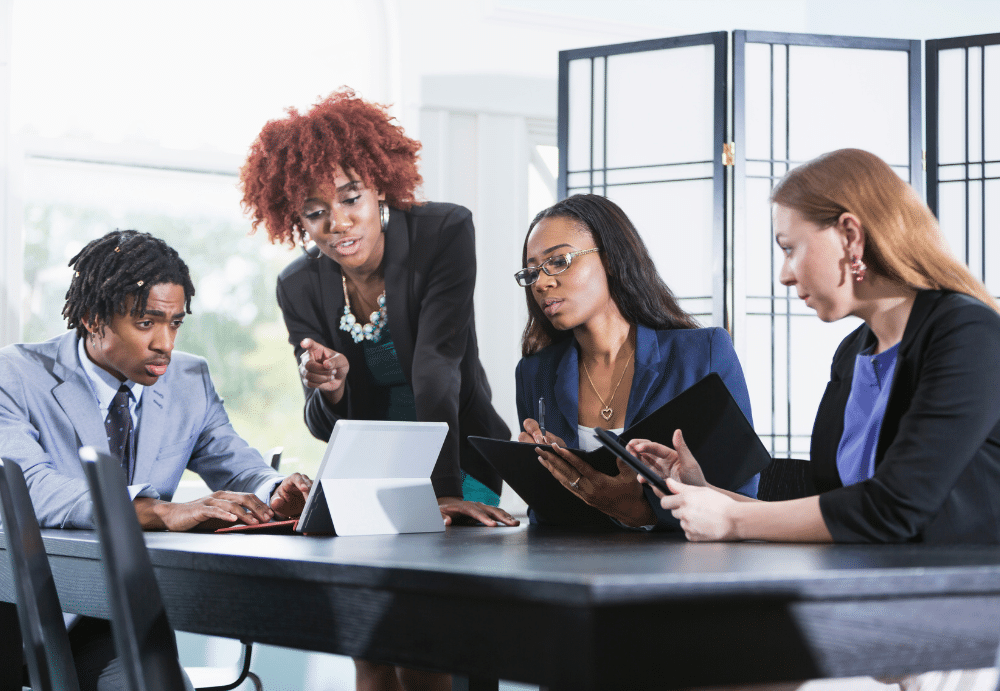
x: 475, y: 131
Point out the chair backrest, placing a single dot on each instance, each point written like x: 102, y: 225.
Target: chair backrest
x: 143, y: 636
x: 275, y: 456
x: 786, y: 478
x: 46, y: 644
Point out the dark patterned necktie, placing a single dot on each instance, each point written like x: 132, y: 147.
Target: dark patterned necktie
x: 119, y: 428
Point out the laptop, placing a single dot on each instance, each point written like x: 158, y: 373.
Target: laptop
x: 375, y: 480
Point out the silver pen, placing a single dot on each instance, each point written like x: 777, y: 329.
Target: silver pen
x: 541, y: 416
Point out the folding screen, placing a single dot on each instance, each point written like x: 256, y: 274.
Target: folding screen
x: 963, y: 148
x: 796, y: 96
x: 643, y: 124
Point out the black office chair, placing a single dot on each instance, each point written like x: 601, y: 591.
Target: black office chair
x: 786, y: 478
x: 131, y: 582
x: 218, y: 678
x: 46, y: 643
x: 275, y: 455
x: 144, y: 639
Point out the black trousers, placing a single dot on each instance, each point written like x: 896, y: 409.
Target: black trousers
x: 94, y: 655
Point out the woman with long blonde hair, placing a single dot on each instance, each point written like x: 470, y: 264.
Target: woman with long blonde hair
x: 906, y: 443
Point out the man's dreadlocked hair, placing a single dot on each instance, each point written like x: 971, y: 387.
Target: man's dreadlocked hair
x: 120, y: 265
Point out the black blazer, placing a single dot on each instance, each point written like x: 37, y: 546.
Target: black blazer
x: 937, y: 463
x: 430, y: 276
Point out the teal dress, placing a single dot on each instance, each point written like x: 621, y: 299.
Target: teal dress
x: 395, y: 401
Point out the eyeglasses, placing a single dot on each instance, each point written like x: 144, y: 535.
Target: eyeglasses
x: 551, y: 267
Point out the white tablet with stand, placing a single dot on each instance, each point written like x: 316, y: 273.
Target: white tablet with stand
x: 375, y: 480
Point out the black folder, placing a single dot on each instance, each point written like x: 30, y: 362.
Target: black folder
x: 715, y: 429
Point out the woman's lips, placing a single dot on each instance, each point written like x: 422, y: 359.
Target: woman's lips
x: 347, y: 246
x: 550, y: 307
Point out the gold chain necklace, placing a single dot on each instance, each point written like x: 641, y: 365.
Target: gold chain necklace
x: 607, y: 412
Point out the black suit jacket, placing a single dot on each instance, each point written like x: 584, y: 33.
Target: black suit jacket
x: 937, y: 463
x: 430, y: 276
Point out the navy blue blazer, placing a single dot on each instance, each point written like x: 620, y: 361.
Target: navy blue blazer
x: 666, y: 363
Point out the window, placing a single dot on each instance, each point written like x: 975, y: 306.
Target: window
x: 140, y: 131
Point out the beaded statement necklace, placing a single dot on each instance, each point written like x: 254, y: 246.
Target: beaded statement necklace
x: 372, y: 331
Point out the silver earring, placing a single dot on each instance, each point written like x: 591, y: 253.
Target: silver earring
x: 383, y: 212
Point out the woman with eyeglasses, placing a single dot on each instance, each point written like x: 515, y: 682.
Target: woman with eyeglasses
x: 605, y: 345
x: 379, y: 306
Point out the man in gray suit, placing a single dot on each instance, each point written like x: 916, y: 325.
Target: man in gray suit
x: 116, y: 383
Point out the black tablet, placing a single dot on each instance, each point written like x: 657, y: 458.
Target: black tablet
x: 612, y: 444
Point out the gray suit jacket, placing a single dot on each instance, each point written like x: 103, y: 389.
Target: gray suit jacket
x: 48, y: 411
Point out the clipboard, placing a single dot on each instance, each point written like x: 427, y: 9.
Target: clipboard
x: 715, y: 429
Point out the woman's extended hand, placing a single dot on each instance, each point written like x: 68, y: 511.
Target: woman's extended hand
x: 324, y: 369
x: 705, y: 514
x: 679, y: 464
x: 455, y: 509
x: 619, y: 496
x: 533, y: 433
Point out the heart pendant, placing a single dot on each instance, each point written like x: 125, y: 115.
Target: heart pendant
x: 607, y: 413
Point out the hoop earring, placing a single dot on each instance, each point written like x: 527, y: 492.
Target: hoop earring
x: 858, y: 268
x: 303, y: 242
x: 383, y: 213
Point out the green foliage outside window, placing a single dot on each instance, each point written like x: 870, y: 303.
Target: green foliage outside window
x: 235, y: 324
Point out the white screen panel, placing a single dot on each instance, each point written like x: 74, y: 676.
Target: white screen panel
x: 675, y: 221
x: 760, y: 243
x: 991, y: 102
x: 580, y: 99
x: 813, y: 344
x: 975, y: 104
x: 779, y: 104
x: 757, y: 370
x: 951, y: 216
x: 975, y: 216
x: 991, y: 221
x: 661, y: 106
x: 598, y: 115
x: 758, y: 100
x: 951, y: 106
x: 823, y: 85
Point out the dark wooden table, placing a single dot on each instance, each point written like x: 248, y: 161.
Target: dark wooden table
x: 568, y: 610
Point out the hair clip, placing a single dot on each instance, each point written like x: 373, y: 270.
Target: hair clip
x: 77, y: 273
x: 139, y: 284
x: 118, y: 249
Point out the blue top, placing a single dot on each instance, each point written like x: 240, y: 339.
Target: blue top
x: 863, y: 415
x: 667, y: 362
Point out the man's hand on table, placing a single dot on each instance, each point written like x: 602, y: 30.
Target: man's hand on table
x: 217, y: 510
x: 223, y: 509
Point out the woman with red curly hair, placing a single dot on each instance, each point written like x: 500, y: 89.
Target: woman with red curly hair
x: 379, y: 308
